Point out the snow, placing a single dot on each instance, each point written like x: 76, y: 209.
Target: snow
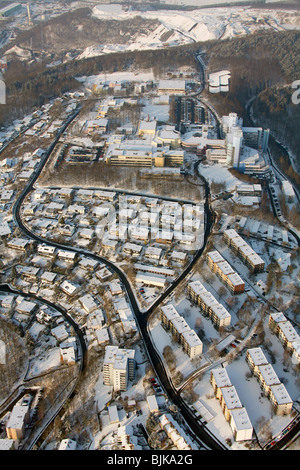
x: 219, y: 174
x: 185, y: 27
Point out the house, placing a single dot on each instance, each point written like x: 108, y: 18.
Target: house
x: 68, y: 354
x: 29, y: 273
x: 132, y: 249
x: 88, y: 303
x: 67, y: 444
x: 88, y: 264
x: 26, y: 307
x: 76, y: 209
x: 102, y: 336
x: 152, y: 252
x: 18, y: 244
x: 115, y: 288
x: 60, y: 333
x: 68, y: 288
x: 66, y: 255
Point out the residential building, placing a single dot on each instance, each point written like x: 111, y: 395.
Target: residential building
x: 167, y: 272
x: 19, y: 417
x: 229, y: 400
x: 235, y: 413
x: 269, y: 382
x: 191, y: 343
x: 241, y: 425
x: 286, y: 333
x: 88, y: 303
x: 168, y: 313
x: 219, y: 378
x: 280, y: 399
x: 208, y: 304
x: 225, y: 272
x: 171, y: 87
x: 255, y: 358
x: 184, y: 335
x: 254, y: 262
x: 118, y: 367
x: 149, y: 279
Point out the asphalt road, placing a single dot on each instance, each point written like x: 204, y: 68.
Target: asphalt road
x: 200, y: 433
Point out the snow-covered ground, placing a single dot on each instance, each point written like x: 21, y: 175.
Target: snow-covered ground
x: 183, y: 27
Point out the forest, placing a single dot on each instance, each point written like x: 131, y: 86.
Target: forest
x: 262, y: 65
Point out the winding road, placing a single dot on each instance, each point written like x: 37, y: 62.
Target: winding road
x: 201, y: 435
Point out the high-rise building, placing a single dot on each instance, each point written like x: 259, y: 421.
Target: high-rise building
x: 234, y: 142
x: 118, y: 367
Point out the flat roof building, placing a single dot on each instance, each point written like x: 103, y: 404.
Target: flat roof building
x: 118, y: 367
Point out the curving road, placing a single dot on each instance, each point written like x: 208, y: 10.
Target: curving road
x: 201, y: 435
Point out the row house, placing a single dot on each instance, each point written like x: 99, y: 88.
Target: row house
x: 161, y: 271
x: 171, y: 429
x: 274, y: 390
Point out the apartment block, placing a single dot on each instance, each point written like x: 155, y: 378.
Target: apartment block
x: 225, y: 272
x: 286, y: 334
x: 254, y: 262
x: 280, y: 399
x: 219, y: 378
x: 208, y: 304
x: 235, y: 413
x: 274, y: 390
x: 184, y: 335
x: 118, y: 367
x: 255, y: 358
x: 267, y: 377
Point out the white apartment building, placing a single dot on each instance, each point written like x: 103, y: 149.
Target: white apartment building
x: 287, y: 334
x: 188, y: 338
x: 235, y: 413
x: 254, y: 262
x: 118, y: 367
x: 208, y: 304
x: 269, y: 382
